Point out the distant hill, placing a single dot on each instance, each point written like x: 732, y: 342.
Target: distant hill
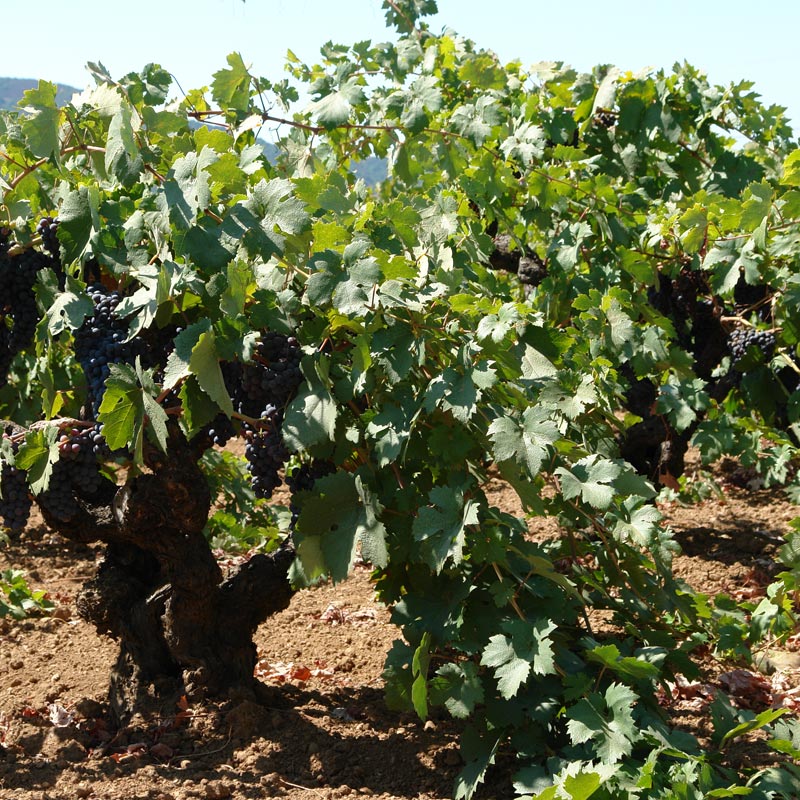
x: 12, y: 89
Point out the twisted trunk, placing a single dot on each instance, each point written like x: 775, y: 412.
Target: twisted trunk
x: 182, y: 626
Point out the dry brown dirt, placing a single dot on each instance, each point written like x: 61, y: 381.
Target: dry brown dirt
x: 329, y: 734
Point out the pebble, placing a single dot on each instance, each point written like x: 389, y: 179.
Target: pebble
x: 82, y: 790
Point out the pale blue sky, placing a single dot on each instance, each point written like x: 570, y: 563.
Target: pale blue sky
x: 730, y: 41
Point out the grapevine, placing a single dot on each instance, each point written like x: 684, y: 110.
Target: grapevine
x: 563, y: 282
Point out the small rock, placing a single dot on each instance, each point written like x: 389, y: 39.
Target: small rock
x: 83, y: 790
x: 217, y: 790
x: 429, y: 725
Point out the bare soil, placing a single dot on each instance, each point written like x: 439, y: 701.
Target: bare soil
x: 329, y: 733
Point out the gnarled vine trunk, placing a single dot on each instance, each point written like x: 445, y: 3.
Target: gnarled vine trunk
x: 180, y: 623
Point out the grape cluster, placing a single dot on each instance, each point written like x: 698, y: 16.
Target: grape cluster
x: 48, y: 230
x: 101, y: 341
x: 76, y: 473
x: 506, y: 256
x: 18, y: 303
x: 261, y: 389
x: 265, y: 453
x: 15, y: 499
x: 742, y: 339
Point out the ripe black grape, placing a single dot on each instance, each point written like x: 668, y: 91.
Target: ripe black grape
x: 76, y: 473
x: 48, y: 230
x: 261, y: 389
x: 749, y: 340
x: 19, y: 314
x: 102, y: 340
x: 15, y: 498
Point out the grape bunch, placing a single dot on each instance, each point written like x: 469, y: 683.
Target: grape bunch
x: 48, y: 230
x: 76, y: 473
x: 262, y: 389
x: 265, y: 453
x: 15, y: 499
x: 18, y: 304
x: 741, y: 340
x: 101, y: 341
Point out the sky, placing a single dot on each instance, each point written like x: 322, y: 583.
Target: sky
x: 730, y: 40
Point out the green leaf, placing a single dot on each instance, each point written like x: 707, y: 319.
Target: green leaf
x: 37, y: 455
x: 310, y: 418
x: 591, y: 479
x: 69, y: 309
x: 527, y: 440
x: 514, y: 657
x: 334, y: 108
x: 440, y: 527
x: 339, y: 518
x: 478, y: 749
x: 231, y: 87
x: 42, y: 119
x: 204, y: 365
x: 123, y: 157
x: 608, y: 721
x: 625, y: 666
x: 419, y: 669
x: 458, y: 687
x: 76, y: 221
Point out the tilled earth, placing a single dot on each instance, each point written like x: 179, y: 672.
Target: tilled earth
x: 329, y: 733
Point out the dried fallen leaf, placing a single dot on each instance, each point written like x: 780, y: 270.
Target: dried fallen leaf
x: 59, y: 716
x: 749, y: 689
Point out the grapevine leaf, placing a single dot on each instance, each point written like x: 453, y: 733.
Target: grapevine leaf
x: 122, y: 410
x: 527, y: 440
x: 69, y: 309
x: 334, y: 108
x: 186, y: 189
x: 155, y: 413
x: 536, y: 365
x: 591, y: 479
x: 42, y: 119
x: 475, y: 120
x: 458, y: 392
x: 310, y: 418
x: 478, y: 749
x: 123, y: 158
x: 458, y: 687
x: 76, y: 222
x: 513, y: 657
x: 231, y: 87
x: 419, y: 669
x: 204, y: 365
x: 178, y: 362
x: 606, y: 720
x: 441, y: 526
x: 37, y: 455
x: 338, y: 518
x: 625, y: 666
